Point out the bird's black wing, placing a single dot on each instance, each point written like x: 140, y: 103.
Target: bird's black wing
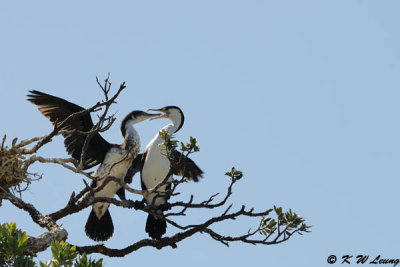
x: 142, y: 160
x: 57, y: 110
x: 184, y: 166
x: 133, y: 169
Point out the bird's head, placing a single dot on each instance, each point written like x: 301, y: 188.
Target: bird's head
x: 137, y: 116
x: 172, y: 113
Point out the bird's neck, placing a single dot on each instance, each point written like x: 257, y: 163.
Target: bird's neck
x: 131, y: 137
x: 171, y: 128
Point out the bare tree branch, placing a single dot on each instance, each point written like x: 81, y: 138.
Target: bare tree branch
x: 42, y: 242
x: 99, y: 126
x: 268, y: 232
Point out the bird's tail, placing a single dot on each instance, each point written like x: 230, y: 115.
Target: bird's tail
x: 99, y: 229
x: 155, y: 227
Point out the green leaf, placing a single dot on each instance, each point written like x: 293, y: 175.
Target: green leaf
x: 271, y: 224
x: 13, y: 246
x: 234, y: 174
x: 287, y: 221
x: 83, y: 261
x: 23, y: 261
x: 278, y: 210
x: 23, y: 240
x: 54, y: 249
x: 265, y: 220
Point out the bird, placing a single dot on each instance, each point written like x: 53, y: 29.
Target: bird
x: 114, y: 160
x: 155, y: 166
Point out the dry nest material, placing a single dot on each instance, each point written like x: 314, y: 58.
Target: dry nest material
x: 12, y: 169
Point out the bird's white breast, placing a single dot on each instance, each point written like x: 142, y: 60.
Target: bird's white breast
x: 116, y: 163
x: 155, y: 168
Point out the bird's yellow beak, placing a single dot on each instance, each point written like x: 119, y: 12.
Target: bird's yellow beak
x: 160, y: 116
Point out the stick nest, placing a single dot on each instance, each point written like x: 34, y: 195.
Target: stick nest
x: 12, y: 169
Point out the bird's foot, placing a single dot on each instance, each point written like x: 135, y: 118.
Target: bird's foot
x: 164, y: 207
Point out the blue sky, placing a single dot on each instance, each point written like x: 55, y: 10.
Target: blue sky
x: 302, y: 96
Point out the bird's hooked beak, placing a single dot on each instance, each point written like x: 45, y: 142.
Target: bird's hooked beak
x: 151, y: 116
x: 160, y: 116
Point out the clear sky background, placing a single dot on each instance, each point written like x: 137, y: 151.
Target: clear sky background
x: 302, y: 96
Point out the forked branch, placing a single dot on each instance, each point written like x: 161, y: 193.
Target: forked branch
x: 269, y: 229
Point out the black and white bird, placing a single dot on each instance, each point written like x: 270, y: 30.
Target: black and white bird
x: 114, y: 160
x: 155, y: 166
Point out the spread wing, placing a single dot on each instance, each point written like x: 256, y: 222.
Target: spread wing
x: 57, y: 110
x: 184, y: 166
